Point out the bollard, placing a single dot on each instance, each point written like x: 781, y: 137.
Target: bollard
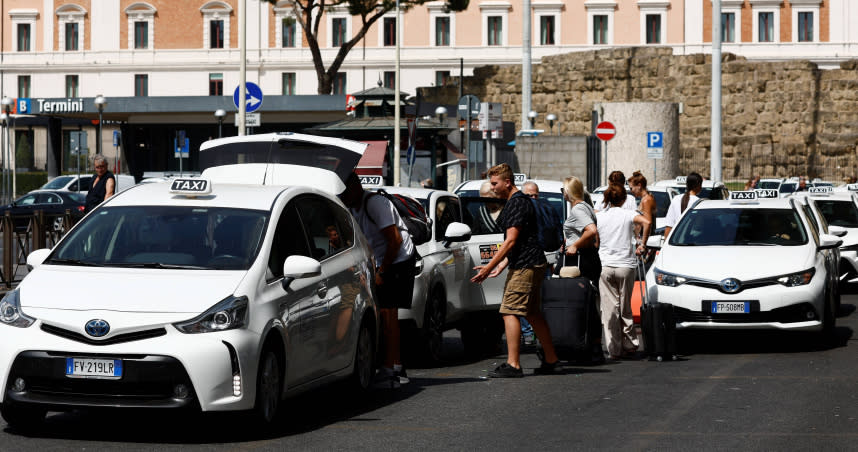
x: 38, y: 240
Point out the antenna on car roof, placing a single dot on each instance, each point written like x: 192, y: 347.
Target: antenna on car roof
x: 268, y: 159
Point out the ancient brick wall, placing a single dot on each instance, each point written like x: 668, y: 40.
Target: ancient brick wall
x: 779, y: 118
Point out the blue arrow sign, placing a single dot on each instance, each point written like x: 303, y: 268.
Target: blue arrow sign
x: 252, y: 97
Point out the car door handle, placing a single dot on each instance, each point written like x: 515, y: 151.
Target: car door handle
x: 322, y: 291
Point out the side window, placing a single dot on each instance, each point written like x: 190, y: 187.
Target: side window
x: 321, y: 225
x: 27, y: 200
x: 446, y: 211
x: 53, y: 199
x: 344, y: 229
x: 811, y: 222
x: 289, y: 239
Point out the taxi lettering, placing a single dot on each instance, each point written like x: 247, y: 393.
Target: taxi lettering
x: 767, y: 193
x: 189, y: 185
x: 743, y: 195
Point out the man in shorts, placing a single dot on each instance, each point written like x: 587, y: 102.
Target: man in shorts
x: 520, y: 252
x: 394, y: 276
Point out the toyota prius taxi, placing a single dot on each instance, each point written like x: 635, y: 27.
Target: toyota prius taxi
x: 747, y: 263
x: 218, y: 293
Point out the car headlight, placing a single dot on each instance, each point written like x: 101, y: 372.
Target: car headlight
x: 797, y: 279
x: 229, y: 314
x: 668, y: 279
x: 11, y: 313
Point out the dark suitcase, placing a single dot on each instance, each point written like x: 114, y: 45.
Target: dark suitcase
x: 569, y: 307
x: 658, y: 324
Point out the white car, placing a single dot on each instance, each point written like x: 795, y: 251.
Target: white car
x: 71, y: 182
x: 770, y: 184
x: 710, y: 190
x: 218, y: 293
x: 840, y: 209
x: 442, y: 288
x: 746, y: 263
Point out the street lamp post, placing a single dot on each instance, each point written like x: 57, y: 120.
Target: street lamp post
x: 100, y: 103
x: 551, y: 118
x: 219, y: 114
x: 531, y: 116
x: 6, y: 104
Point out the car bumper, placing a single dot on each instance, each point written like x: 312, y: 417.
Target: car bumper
x: 772, y: 307
x: 153, y: 367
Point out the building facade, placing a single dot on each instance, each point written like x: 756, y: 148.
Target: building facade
x: 69, y: 51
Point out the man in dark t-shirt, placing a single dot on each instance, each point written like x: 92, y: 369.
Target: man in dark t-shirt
x: 520, y: 252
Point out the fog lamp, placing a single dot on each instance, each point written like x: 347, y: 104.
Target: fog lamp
x: 180, y: 391
x: 19, y: 385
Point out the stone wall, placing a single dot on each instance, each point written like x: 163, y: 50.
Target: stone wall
x: 779, y: 118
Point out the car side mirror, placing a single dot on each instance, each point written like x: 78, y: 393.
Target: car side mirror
x: 828, y: 241
x: 837, y: 231
x: 297, y: 267
x: 457, y: 232
x: 654, y: 242
x: 37, y: 257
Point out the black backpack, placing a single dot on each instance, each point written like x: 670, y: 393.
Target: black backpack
x: 412, y: 213
x: 549, y: 228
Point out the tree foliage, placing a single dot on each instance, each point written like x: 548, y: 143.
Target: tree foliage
x: 310, y: 13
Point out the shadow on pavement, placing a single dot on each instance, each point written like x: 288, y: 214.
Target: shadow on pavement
x: 758, y: 341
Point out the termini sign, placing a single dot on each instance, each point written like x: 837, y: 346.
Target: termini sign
x: 34, y: 106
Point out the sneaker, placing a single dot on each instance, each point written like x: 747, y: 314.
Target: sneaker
x: 529, y: 338
x: 506, y: 371
x: 402, y: 376
x: 547, y: 368
x: 385, y: 379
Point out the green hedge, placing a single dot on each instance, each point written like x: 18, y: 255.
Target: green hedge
x: 25, y: 182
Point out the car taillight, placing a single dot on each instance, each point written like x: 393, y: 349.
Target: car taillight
x: 81, y: 208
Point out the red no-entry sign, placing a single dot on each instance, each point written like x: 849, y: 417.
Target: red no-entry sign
x: 605, y: 130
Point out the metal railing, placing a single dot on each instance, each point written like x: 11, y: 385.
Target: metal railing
x: 23, y: 234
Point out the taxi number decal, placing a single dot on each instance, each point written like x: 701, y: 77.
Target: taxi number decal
x: 194, y: 185
x: 487, y: 252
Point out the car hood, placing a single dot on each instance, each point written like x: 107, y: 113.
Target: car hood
x: 741, y: 262
x: 126, y: 290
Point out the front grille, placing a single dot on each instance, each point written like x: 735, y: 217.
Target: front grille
x: 118, y: 339
x: 788, y: 314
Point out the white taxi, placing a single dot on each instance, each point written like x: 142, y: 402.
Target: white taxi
x: 218, y: 293
x: 840, y: 210
x: 710, y: 190
x: 746, y: 263
x: 442, y: 287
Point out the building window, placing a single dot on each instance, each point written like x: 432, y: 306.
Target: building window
x: 495, y: 31
x: 72, y: 86
x: 441, y: 77
x: 72, y: 36
x: 389, y: 31
x: 24, y: 86
x: 600, y: 29
x: 340, y: 83
x: 653, y: 29
x: 141, y: 35
x: 546, y: 30
x: 728, y: 27
x: 442, y: 31
x: 141, y: 85
x: 766, y: 27
x: 338, y: 30
x: 288, y: 83
x: 805, y: 27
x: 215, y: 84
x: 389, y: 79
x: 288, y: 30
x: 24, y: 37
x: 216, y: 34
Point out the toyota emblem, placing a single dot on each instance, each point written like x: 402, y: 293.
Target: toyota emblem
x: 97, y: 328
x: 730, y: 285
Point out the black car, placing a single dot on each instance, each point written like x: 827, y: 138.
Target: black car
x: 52, y: 202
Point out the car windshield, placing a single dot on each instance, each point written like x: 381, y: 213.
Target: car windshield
x: 164, y: 237
x: 769, y: 185
x: 731, y: 227
x: 481, y: 214
x: 839, y: 213
x: 57, y: 183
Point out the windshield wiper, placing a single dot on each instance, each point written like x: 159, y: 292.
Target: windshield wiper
x: 74, y: 262
x: 759, y: 244
x: 159, y: 265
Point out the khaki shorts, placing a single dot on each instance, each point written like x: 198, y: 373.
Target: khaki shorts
x: 522, y: 292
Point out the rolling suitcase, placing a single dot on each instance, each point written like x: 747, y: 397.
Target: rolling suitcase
x: 658, y: 324
x: 569, y: 307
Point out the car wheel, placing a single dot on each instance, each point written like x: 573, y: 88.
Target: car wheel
x: 481, y: 335
x: 268, y: 387
x: 434, y: 318
x: 22, y: 418
x: 364, y: 359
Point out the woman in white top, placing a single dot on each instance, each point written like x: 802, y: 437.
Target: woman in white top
x: 693, y: 185
x: 618, y: 253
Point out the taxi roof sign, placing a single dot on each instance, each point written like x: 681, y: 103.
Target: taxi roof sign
x: 819, y: 190
x: 852, y: 187
x: 681, y: 179
x: 743, y: 196
x: 766, y: 193
x: 193, y: 187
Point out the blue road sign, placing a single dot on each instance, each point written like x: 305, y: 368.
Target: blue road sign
x: 183, y: 151
x: 116, y: 138
x: 655, y: 139
x: 24, y: 105
x: 253, y: 97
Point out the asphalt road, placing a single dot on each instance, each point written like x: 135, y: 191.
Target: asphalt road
x: 729, y: 391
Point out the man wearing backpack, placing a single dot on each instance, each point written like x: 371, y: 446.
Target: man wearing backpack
x: 395, y: 257
x: 525, y: 258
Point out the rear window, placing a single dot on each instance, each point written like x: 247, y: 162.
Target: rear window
x: 839, y: 213
x: 57, y: 183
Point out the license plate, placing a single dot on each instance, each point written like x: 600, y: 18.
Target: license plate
x: 93, y: 368
x: 730, y: 307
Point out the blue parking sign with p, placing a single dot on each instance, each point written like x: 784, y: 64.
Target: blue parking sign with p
x: 655, y: 139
